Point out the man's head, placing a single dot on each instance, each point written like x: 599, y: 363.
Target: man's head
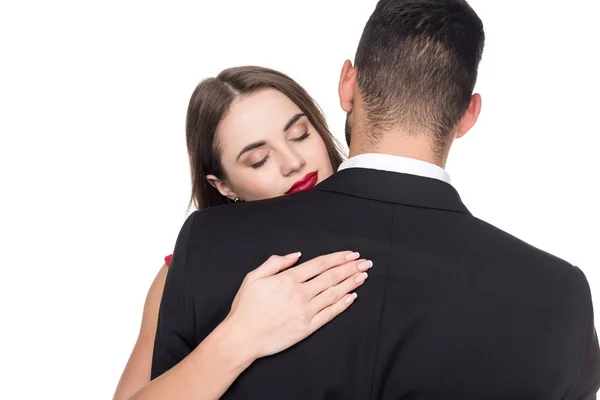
x: 414, y: 74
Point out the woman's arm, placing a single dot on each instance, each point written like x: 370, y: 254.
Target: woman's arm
x: 272, y: 311
x: 206, y: 373
x: 137, y: 370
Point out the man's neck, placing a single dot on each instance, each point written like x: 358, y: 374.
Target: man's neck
x: 417, y: 147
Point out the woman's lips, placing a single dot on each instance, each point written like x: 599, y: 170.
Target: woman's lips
x: 306, y: 183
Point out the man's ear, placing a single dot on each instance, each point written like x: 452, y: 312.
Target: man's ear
x: 347, y: 86
x: 470, y: 116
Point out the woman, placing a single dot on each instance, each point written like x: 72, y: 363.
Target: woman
x: 252, y: 133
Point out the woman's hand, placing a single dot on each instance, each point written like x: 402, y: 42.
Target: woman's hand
x: 275, y: 308
x: 278, y: 306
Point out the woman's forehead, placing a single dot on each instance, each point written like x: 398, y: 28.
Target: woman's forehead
x: 266, y: 111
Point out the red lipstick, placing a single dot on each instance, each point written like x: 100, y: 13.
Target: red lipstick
x: 306, y: 183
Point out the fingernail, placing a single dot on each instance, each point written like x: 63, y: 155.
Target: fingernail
x: 352, y: 256
x: 294, y: 255
x: 365, y: 265
x: 361, y: 277
x: 351, y: 298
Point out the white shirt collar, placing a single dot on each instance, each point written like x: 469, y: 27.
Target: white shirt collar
x: 388, y: 162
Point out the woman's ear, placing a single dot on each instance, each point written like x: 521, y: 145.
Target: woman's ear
x: 221, y: 186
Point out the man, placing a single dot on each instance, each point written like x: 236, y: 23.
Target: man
x: 454, y: 307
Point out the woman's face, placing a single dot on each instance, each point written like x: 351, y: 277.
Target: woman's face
x: 269, y: 148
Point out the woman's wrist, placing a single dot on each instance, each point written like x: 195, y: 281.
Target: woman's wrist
x: 234, y: 345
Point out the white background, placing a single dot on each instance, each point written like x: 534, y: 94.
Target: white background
x: 94, y: 172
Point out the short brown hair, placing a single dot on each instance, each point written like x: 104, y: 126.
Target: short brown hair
x: 210, y: 102
x: 417, y: 64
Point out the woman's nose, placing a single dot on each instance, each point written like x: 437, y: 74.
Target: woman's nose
x: 291, y: 163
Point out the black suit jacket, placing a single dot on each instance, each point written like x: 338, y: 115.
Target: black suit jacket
x: 454, y: 308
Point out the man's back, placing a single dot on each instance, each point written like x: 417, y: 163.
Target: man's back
x: 453, y: 308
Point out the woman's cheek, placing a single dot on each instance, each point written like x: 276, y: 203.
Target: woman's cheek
x: 264, y: 185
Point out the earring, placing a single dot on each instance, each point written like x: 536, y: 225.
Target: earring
x: 236, y: 199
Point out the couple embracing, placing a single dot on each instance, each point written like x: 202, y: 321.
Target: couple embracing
x: 384, y: 285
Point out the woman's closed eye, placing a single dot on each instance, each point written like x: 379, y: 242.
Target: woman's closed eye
x: 260, y: 163
x: 301, y: 138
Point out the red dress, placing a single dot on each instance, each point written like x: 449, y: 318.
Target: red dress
x: 168, y: 260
